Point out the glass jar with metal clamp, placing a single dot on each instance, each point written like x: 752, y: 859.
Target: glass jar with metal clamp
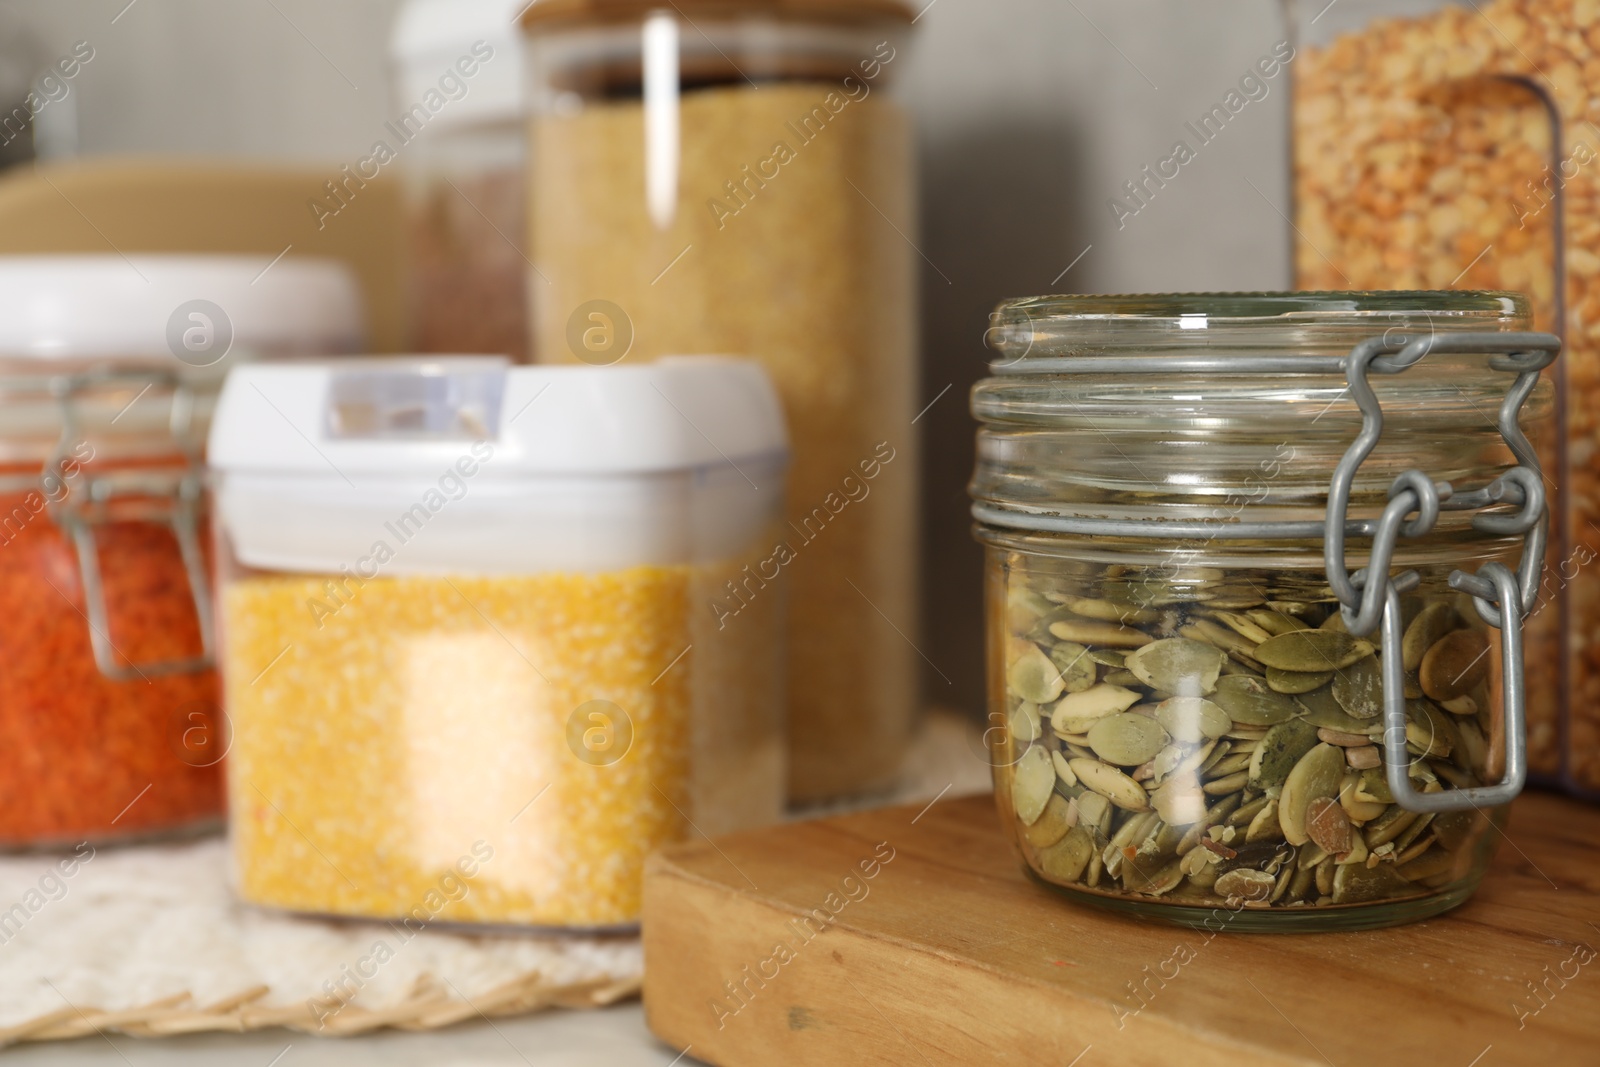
x: 110, y: 722
x: 109, y: 708
x: 1203, y: 706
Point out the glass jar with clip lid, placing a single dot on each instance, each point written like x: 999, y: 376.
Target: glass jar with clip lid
x: 109, y: 722
x: 1206, y: 709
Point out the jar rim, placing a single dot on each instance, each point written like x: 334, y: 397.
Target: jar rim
x: 1312, y: 321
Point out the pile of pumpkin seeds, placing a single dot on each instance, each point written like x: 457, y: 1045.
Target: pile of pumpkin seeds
x: 1227, y: 749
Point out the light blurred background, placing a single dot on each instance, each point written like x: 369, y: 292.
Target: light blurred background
x: 1031, y: 115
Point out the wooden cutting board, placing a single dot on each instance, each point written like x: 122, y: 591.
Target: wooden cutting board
x: 947, y: 954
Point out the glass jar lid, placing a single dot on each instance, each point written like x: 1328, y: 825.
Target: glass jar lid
x: 1232, y: 407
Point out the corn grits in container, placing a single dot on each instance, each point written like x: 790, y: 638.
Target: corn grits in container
x: 1207, y: 710
x: 469, y: 630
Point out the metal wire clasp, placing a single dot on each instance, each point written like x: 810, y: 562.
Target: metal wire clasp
x: 1502, y: 599
x: 171, y: 497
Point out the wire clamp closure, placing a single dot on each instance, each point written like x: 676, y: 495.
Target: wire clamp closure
x: 1502, y: 599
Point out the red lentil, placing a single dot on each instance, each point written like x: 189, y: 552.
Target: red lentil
x: 83, y: 756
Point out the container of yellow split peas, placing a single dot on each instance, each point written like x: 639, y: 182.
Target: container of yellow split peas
x: 496, y: 628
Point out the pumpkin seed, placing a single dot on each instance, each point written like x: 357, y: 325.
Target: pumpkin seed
x: 1076, y: 712
x: 1032, y: 783
x: 1177, y: 665
x: 1155, y: 883
x: 1317, y: 774
x: 1456, y: 664
x: 1359, y: 689
x: 1063, y: 771
x: 1108, y: 657
x: 1313, y: 650
x: 1284, y: 746
x: 1265, y: 826
x: 1248, y: 811
x: 1276, y: 622
x: 1180, y: 802
x: 1127, y: 740
x: 1322, y: 710
x: 1065, y: 861
x: 1360, y: 811
x: 1328, y: 825
x: 1072, y: 662
x: 1374, y: 785
x: 1296, y: 682
x: 1215, y: 634
x: 1053, y: 823
x: 1427, y: 865
x: 1364, y: 758
x: 1431, y: 623
x: 1121, y: 677
x: 1111, y: 783
x: 1097, y: 632
x: 1023, y: 724
x: 1232, y: 764
x: 1024, y: 607
x: 1110, y: 610
x: 1192, y: 719
x: 1229, y: 784
x: 1356, y: 883
x: 1343, y: 740
x: 1033, y: 677
x: 1242, y: 625
x: 1388, y: 826
x: 1094, y: 813
x: 1244, y: 884
x: 1249, y: 701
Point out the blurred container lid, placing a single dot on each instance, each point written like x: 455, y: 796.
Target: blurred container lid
x: 431, y: 36
x: 414, y: 414
x: 570, y: 467
x: 135, y: 307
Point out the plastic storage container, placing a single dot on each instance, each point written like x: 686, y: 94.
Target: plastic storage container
x: 108, y: 372
x: 1442, y: 145
x: 1207, y: 710
x: 459, y: 143
x: 472, y: 629
x: 736, y: 177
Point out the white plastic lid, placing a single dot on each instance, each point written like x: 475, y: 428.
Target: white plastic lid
x: 430, y: 40
x: 469, y: 464
x: 93, y: 306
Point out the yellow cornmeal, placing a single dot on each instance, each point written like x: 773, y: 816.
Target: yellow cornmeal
x: 376, y: 745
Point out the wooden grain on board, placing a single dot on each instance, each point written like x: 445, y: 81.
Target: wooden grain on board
x: 947, y: 954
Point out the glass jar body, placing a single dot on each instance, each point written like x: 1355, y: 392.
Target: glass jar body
x: 1441, y: 143
x: 744, y: 186
x: 124, y: 741
x: 466, y: 209
x: 1195, y: 783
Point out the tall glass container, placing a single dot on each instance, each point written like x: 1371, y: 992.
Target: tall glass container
x: 733, y: 176
x: 1443, y: 144
x: 458, y: 81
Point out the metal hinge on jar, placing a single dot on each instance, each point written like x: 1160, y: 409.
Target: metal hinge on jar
x: 1501, y: 598
x: 169, y: 495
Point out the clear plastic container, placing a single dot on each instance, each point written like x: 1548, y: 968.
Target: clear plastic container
x: 470, y: 630
x: 109, y: 719
x: 1191, y: 722
x: 1442, y: 144
x: 460, y: 145
x: 738, y: 177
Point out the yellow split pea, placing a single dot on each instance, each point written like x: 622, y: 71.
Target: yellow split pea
x: 427, y: 720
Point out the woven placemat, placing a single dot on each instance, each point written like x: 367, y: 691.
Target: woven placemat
x: 149, y: 941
